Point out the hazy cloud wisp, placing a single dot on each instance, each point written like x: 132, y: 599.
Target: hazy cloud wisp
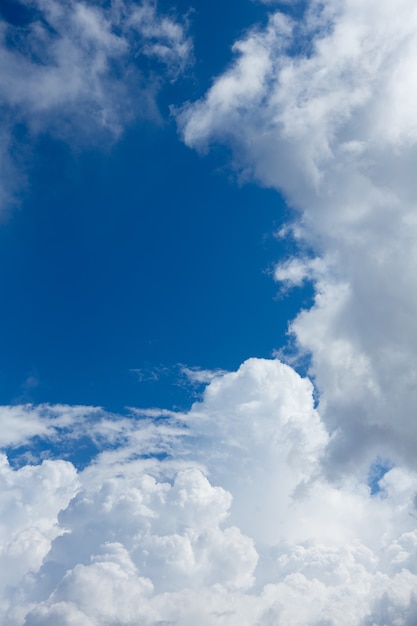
x: 71, y: 70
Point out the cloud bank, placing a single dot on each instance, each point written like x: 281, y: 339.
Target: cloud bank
x: 257, y: 506
x: 219, y: 515
x: 323, y: 109
x: 71, y: 70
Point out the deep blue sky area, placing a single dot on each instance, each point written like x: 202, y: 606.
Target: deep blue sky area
x: 139, y: 257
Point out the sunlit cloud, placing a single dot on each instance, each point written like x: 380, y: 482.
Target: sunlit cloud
x: 324, y: 111
x: 225, y: 502
x: 276, y: 498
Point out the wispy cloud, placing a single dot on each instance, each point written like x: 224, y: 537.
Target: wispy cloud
x: 73, y: 69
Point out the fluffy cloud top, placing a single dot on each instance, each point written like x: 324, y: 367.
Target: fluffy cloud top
x: 234, y: 524
x: 256, y: 506
x: 325, y: 111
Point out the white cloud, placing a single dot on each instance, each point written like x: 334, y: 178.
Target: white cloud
x: 325, y: 111
x: 74, y: 71
x: 163, y: 37
x: 297, y: 270
x: 30, y: 501
x: 253, y: 508
x: 234, y: 524
x: 21, y: 423
x: 197, y: 376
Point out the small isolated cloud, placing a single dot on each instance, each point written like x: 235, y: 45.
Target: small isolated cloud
x: 235, y: 524
x: 196, y: 376
x: 74, y: 70
x: 297, y: 270
x: 163, y: 38
x: 191, y: 379
x: 150, y: 374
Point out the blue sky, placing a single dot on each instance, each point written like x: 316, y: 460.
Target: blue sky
x: 139, y: 254
x: 208, y: 365
x: 110, y: 270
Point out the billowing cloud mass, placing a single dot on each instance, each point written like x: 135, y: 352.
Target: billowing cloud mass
x: 325, y: 111
x: 71, y: 69
x: 220, y: 515
x: 260, y: 506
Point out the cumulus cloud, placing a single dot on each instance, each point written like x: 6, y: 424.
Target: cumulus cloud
x: 235, y: 523
x: 257, y: 506
x: 73, y: 69
x: 324, y: 110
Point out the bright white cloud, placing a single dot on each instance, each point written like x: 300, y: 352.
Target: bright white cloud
x: 30, y: 501
x: 253, y: 508
x: 325, y: 111
x: 235, y: 524
x: 73, y: 70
